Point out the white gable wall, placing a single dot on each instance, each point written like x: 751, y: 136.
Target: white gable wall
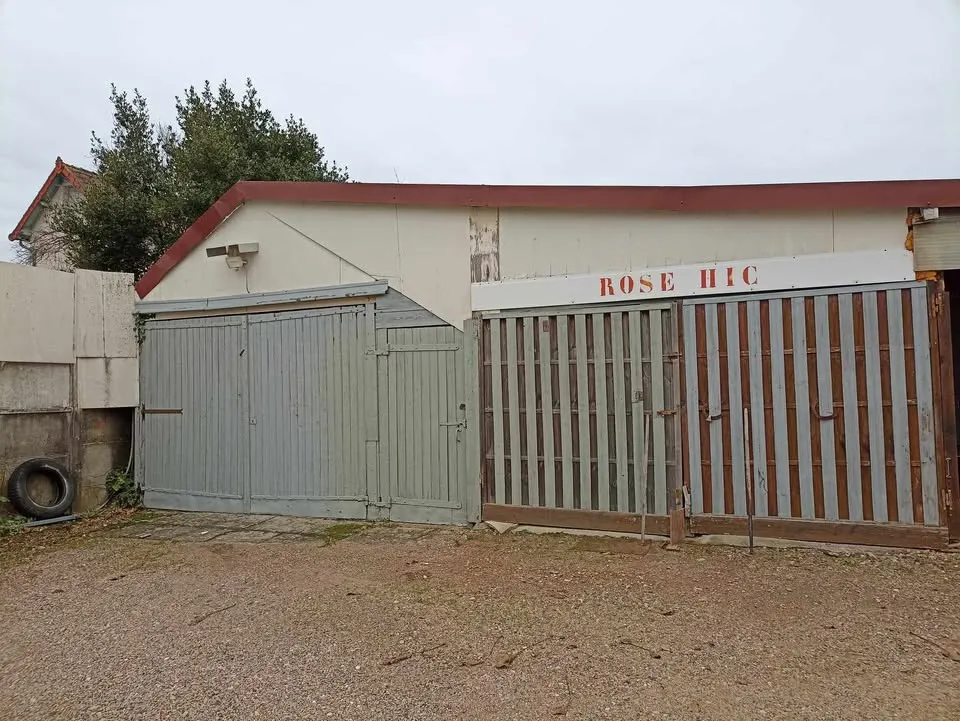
x: 421, y: 252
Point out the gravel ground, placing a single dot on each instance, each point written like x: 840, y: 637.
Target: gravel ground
x: 400, y: 622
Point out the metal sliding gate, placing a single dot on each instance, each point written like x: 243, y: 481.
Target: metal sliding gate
x: 316, y: 412
x: 839, y: 395
x: 572, y: 402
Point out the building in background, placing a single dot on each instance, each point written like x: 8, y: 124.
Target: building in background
x: 39, y: 245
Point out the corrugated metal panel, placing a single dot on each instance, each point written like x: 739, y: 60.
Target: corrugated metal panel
x: 839, y: 396
x: 193, y: 422
x: 936, y: 245
x: 563, y: 395
x: 307, y: 439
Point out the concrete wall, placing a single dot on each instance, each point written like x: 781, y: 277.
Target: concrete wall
x: 432, y: 254
x: 68, y: 372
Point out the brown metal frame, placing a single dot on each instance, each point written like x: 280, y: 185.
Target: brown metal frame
x: 945, y: 420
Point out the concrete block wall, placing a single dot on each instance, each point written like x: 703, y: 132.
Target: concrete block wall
x: 69, y: 379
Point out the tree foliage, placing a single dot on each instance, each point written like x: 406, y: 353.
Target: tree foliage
x: 153, y: 181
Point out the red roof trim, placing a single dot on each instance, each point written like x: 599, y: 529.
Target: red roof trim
x: 711, y: 198
x: 59, y: 169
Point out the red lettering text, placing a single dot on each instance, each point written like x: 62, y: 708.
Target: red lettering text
x: 646, y: 283
x: 708, y: 278
x: 750, y: 275
x: 626, y: 284
x: 730, y: 281
x: 666, y: 282
x: 606, y: 287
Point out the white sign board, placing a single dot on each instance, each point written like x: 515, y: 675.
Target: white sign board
x: 761, y: 275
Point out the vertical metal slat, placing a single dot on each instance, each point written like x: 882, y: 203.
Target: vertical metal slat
x: 802, y: 393
x: 735, y: 394
x: 530, y: 401
x: 620, y: 411
x: 657, y: 368
x: 898, y: 397
x: 825, y: 402
x: 583, y: 409
x: 928, y: 453
x: 600, y: 381
x: 871, y: 336
x: 566, y: 409
x: 851, y: 418
x: 546, y: 416
x: 757, y: 415
x: 496, y: 382
x: 714, y: 407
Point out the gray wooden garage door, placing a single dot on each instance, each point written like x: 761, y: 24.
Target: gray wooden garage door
x: 313, y: 413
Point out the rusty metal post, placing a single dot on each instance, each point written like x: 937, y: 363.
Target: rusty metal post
x: 748, y: 474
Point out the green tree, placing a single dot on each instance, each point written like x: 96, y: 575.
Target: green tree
x: 153, y: 181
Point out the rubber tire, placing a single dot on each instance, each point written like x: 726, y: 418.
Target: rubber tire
x: 26, y: 506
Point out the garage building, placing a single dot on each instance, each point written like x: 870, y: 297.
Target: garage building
x: 564, y: 356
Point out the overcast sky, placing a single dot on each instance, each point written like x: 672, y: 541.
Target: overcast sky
x: 647, y: 92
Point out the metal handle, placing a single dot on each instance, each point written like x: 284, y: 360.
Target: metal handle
x: 820, y: 416
x: 710, y: 418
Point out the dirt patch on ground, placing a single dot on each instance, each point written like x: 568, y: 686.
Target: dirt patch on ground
x: 416, y: 623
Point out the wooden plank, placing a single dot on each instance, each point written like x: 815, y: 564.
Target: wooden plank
x: 823, y: 322
x: 735, y: 406
x: 513, y: 411
x: 871, y: 333
x: 851, y: 419
x: 886, y: 402
x: 658, y: 367
x: 937, y: 420
x: 802, y: 393
x: 496, y: 368
x: 610, y: 521
x: 898, y: 397
x: 947, y: 422
x: 603, y: 419
x: 637, y: 402
x: 913, y: 417
x: 530, y: 412
x: 620, y: 412
x: 758, y: 431
x: 546, y: 415
x: 470, y: 489
x: 724, y: 422
x: 714, y: 408
x: 583, y: 409
x: 691, y: 394
x: 867, y: 534
x: 704, y: 460
x: 566, y: 409
x: 778, y: 401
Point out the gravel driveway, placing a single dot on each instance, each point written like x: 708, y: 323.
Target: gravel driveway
x: 401, y: 622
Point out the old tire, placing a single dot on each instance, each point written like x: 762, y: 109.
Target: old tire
x: 18, y: 490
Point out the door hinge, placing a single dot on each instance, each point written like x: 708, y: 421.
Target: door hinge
x: 937, y: 303
x: 378, y: 351
x: 948, y: 499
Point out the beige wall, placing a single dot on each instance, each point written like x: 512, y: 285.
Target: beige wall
x: 536, y: 243
x: 36, y: 314
x: 51, y: 320
x: 426, y: 252
x: 421, y: 252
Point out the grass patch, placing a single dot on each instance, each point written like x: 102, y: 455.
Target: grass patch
x: 11, y: 525
x: 339, y: 531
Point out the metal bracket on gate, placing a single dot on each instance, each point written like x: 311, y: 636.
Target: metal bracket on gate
x: 161, y: 411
